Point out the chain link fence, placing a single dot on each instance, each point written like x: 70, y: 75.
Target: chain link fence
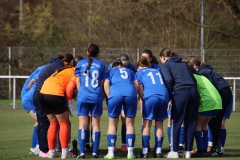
x: 22, y: 61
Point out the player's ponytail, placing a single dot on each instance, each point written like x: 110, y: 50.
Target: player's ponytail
x: 93, y: 51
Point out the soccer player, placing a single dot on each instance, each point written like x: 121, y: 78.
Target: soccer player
x: 55, y: 106
x: 90, y: 74
x: 125, y: 60
x: 27, y: 103
x: 43, y: 122
x: 121, y: 90
x: 182, y: 89
x: 226, y: 95
x: 154, y: 95
x: 210, y: 103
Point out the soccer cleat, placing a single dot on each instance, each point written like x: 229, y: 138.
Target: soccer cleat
x: 108, y: 157
x: 54, y: 154
x: 40, y: 153
x: 68, y: 155
x: 212, y: 153
x: 115, y: 149
x: 81, y: 156
x: 124, y: 148
x: 131, y: 157
x: 157, y: 155
x: 45, y: 155
x: 37, y: 152
x: 32, y: 150
x: 187, y: 154
x: 141, y: 155
x: 94, y: 155
x: 172, y: 154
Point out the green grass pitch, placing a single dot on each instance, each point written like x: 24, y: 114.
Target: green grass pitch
x: 16, y: 129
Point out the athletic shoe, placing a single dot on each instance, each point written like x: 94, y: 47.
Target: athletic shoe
x: 45, y: 155
x: 40, y: 153
x: 108, y: 157
x: 81, y: 156
x: 124, y: 148
x: 37, y: 152
x: 172, y: 154
x: 187, y: 154
x: 212, y: 153
x: 115, y: 149
x: 131, y: 157
x: 54, y: 154
x: 157, y: 155
x: 68, y: 155
x: 32, y: 150
x: 95, y: 155
x: 141, y: 155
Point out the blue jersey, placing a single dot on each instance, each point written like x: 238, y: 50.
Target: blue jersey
x: 121, y: 82
x: 32, y: 76
x: 156, y: 66
x: 152, y: 81
x: 90, y: 90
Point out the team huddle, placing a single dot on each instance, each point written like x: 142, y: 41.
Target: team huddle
x: 194, y: 98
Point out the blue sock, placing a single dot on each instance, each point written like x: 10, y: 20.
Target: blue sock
x: 130, y: 139
x: 169, y: 135
x: 111, y: 139
x: 210, y: 138
x: 159, y: 142
x: 34, y: 137
x: 145, y: 141
x: 123, y: 134
x: 199, y: 140
x: 87, y: 136
x: 181, y: 138
x: 96, y: 141
x: 205, y: 139
x: 81, y: 140
x: 223, y: 135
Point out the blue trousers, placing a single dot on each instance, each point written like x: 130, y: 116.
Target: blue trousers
x: 185, y: 105
x: 43, y: 122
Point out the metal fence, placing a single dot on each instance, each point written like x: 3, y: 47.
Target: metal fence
x: 22, y: 61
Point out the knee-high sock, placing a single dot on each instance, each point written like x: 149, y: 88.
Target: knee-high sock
x: 159, y: 142
x: 205, y: 139
x: 64, y: 133
x: 199, y: 140
x: 123, y: 134
x: 210, y: 138
x: 81, y: 140
x: 51, y: 135
x: 34, y: 137
x: 181, y: 138
x: 223, y: 135
x: 111, y: 139
x: 96, y: 140
x: 145, y: 143
x: 169, y: 135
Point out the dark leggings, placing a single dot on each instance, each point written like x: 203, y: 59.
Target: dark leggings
x: 215, y: 123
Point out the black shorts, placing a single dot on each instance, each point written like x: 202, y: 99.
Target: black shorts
x: 53, y: 104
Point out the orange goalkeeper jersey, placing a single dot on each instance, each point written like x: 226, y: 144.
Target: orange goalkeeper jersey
x: 56, y: 84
